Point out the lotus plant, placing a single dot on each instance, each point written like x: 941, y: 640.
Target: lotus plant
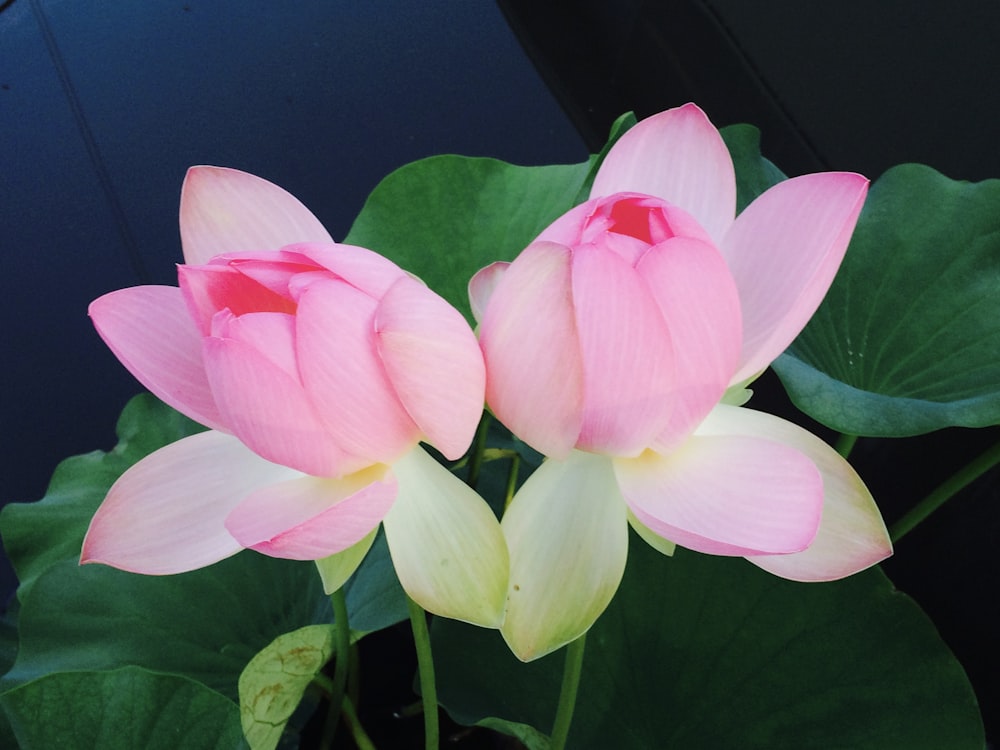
x: 619, y: 344
x: 319, y: 368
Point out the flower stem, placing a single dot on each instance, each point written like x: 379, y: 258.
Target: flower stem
x: 342, y: 656
x: 425, y: 666
x: 515, y: 467
x: 845, y: 444
x: 567, y: 693
x: 478, y: 446
x: 944, y: 491
x: 361, y: 738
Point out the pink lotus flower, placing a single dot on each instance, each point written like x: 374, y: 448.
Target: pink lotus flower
x: 615, y: 344
x: 319, y: 368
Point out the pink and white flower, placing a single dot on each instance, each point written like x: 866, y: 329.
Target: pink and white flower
x: 616, y: 344
x: 319, y: 368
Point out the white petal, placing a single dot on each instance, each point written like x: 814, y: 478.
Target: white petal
x: 661, y: 544
x: 568, y: 538
x: 446, y: 544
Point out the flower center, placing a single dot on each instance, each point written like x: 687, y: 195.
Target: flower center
x: 643, y: 219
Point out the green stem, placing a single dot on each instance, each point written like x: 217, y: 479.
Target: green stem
x: 515, y: 467
x: 361, y: 738
x: 347, y: 712
x: 354, y: 675
x: 567, y: 693
x: 845, y: 443
x: 478, y: 446
x: 943, y: 492
x: 342, y: 633
x: 425, y: 666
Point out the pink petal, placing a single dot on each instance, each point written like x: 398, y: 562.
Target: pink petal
x: 628, y: 367
x: 851, y: 536
x: 167, y: 513
x: 208, y: 289
x: 534, y: 375
x: 678, y: 156
x: 273, y: 270
x: 569, y: 228
x: 697, y: 297
x: 434, y: 364
x: 359, y: 267
x: 726, y: 495
x: 272, y: 335
x: 149, y: 329
x: 344, y: 376
x: 627, y: 222
x: 309, y: 518
x: 225, y: 210
x: 481, y: 287
x: 784, y: 251
x: 270, y: 412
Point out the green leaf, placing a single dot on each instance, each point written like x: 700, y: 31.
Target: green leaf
x: 121, y: 710
x: 272, y: 685
x: 618, y: 128
x: 206, y: 624
x: 908, y: 339
x: 710, y: 652
x: 445, y: 217
x: 754, y: 173
x: 8, y: 652
x: 527, y: 735
x: 375, y: 599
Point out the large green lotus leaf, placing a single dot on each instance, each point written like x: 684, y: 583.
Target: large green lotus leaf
x: 618, y: 128
x: 375, y: 599
x: 445, y: 217
x: 908, y: 339
x: 8, y: 652
x: 706, y: 652
x: 121, y: 710
x: 754, y: 173
x: 206, y: 624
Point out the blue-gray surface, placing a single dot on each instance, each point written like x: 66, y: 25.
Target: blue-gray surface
x: 104, y: 106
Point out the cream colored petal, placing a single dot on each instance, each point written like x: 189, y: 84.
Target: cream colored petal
x: 568, y: 537
x: 446, y: 544
x: 660, y: 544
x: 336, y: 569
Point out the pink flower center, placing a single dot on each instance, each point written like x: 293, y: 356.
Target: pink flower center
x: 644, y: 219
x: 631, y: 223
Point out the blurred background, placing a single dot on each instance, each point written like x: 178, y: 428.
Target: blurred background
x: 104, y: 106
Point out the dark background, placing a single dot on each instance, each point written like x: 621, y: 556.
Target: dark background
x: 104, y: 106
